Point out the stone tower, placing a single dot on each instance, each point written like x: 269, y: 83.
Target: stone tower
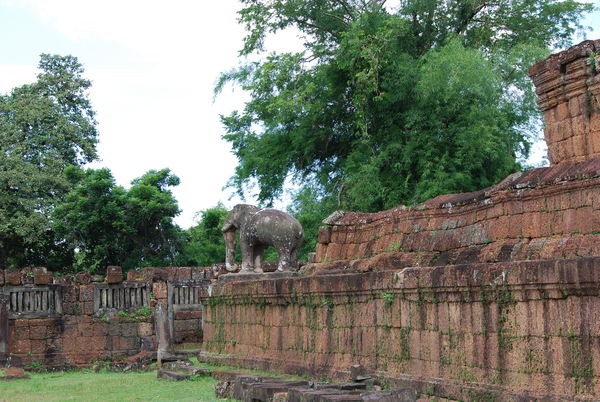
x: 568, y: 90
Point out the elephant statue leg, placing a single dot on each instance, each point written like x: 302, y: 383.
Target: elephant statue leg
x: 287, y: 259
x: 259, y: 253
x: 247, y: 256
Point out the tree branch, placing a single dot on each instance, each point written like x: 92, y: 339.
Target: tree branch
x: 336, y: 17
x: 346, y: 8
x: 317, y: 27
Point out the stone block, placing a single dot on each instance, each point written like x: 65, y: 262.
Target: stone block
x: 183, y: 273
x: 575, y: 105
x: 83, y: 278
x: 133, y: 275
x: 41, y: 276
x: 114, y: 274
x: 159, y: 289
x: 1, y: 277
x: 199, y: 273
x: 86, y: 293
x: 12, y: 277
x: 324, y: 235
x: 38, y: 332
x: 145, y: 329
x: 14, y: 373
x: 188, y: 315
x: 172, y: 375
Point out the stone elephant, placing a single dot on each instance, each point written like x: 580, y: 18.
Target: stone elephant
x: 260, y: 228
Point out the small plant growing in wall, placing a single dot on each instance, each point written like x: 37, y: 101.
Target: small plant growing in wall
x: 593, y: 63
x: 388, y: 297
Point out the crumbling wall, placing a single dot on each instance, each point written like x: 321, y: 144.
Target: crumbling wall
x: 529, y: 328
x: 568, y: 90
x: 74, y: 320
x: 543, y: 213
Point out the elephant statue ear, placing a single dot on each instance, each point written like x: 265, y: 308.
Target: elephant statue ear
x: 227, y: 227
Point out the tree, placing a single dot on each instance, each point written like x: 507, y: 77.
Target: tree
x: 204, y: 243
x: 108, y: 225
x: 44, y: 127
x: 384, y: 107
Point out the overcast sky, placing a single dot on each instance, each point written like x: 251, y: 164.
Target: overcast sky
x: 153, y: 66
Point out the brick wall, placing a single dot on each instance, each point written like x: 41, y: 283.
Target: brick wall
x: 64, y: 321
x: 527, y: 328
x: 568, y: 89
x: 75, y: 340
x: 543, y: 213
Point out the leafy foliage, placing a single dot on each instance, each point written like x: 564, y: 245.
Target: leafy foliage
x: 109, y: 225
x: 44, y: 127
x: 204, y: 243
x: 384, y: 107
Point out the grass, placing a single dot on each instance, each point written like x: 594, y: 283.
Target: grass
x: 85, y: 385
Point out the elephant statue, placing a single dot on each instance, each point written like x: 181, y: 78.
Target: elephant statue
x: 260, y: 228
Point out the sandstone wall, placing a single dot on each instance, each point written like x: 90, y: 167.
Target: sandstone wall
x: 526, y: 328
x: 543, y: 213
x: 65, y: 321
x: 568, y: 89
x: 74, y: 340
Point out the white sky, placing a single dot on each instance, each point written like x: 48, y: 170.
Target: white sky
x: 153, y: 65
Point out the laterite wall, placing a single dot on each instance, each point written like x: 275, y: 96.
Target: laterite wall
x: 526, y: 328
x: 75, y: 331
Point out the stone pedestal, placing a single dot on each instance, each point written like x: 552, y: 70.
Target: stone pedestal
x: 243, y: 277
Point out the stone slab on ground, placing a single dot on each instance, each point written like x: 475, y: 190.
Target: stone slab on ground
x: 13, y: 373
x: 244, y: 277
x: 171, y: 375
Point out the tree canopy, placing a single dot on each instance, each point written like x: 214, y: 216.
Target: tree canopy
x: 386, y: 107
x: 44, y: 127
x: 107, y: 224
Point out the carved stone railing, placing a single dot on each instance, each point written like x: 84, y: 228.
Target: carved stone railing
x: 126, y: 296
x: 34, y: 301
x: 185, y: 295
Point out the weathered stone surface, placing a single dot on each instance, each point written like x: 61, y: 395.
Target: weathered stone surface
x: 567, y: 85
x: 3, y: 330
x: 260, y: 228
x: 403, y: 395
x: 224, y: 389
x: 429, y: 322
x: 41, y: 276
x: 543, y: 213
x: 13, y: 373
x: 163, y: 334
x: 172, y: 375
x: 83, y: 278
x: 114, y: 274
x: 12, y: 277
x: 256, y: 276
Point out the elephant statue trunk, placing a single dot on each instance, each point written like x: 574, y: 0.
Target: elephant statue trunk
x: 229, y: 250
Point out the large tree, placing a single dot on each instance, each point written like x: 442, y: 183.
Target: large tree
x: 385, y: 107
x: 107, y: 224
x: 44, y: 127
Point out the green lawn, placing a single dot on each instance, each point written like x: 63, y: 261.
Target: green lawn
x: 85, y: 385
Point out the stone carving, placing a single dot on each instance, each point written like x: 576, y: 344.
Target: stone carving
x: 260, y: 228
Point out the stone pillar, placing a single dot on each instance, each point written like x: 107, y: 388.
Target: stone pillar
x: 568, y: 89
x: 163, y: 334
x: 3, y: 327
